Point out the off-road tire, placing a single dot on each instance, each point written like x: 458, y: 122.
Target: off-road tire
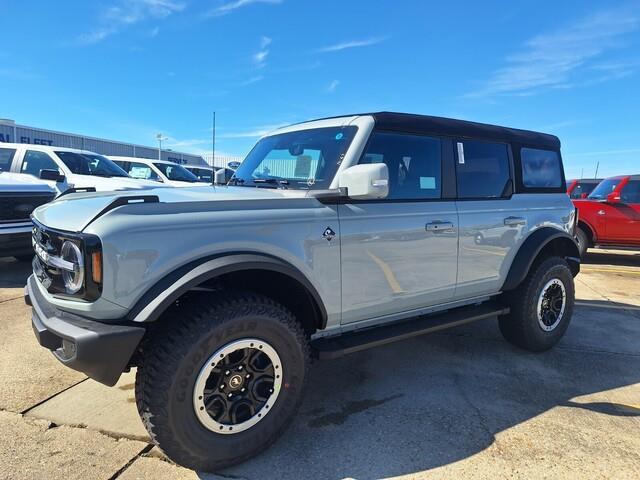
x: 583, y: 241
x: 173, y: 355
x: 521, y: 327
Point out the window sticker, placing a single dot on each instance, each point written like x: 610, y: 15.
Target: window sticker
x: 460, y: 153
x: 427, y: 183
x: 339, y: 136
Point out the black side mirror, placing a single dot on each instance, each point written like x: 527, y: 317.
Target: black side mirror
x: 54, y: 175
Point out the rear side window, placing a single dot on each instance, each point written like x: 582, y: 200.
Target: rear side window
x: 582, y: 190
x: 34, y: 162
x: 414, y: 162
x: 141, y: 170
x: 631, y: 192
x: 482, y: 169
x: 540, y: 168
x: 6, y: 157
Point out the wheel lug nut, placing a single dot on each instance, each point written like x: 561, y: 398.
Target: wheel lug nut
x: 247, y: 376
x: 242, y: 389
x: 222, y: 386
x: 240, y: 368
x: 227, y: 372
x: 230, y: 395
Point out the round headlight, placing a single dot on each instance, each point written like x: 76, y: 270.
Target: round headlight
x: 73, y: 280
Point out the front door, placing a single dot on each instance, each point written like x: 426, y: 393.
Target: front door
x: 622, y: 219
x: 399, y: 254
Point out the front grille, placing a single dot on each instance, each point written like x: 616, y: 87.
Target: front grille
x: 16, y: 207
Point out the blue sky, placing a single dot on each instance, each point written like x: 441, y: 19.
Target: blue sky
x: 127, y: 69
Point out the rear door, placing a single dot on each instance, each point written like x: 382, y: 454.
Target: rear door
x: 399, y: 254
x: 492, y: 223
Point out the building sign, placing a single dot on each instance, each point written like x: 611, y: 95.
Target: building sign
x: 6, y: 138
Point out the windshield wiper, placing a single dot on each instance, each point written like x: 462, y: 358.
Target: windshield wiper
x: 274, y: 181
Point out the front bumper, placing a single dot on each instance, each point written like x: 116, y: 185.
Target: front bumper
x: 100, y: 350
x: 15, y: 241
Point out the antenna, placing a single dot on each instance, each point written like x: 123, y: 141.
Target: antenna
x: 581, y: 173
x: 597, y: 166
x: 213, y: 151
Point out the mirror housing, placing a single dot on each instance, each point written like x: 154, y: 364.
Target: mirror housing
x: 49, y: 174
x: 613, y: 198
x: 219, y: 177
x: 365, y: 182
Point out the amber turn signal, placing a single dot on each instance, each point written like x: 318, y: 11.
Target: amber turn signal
x: 96, y: 267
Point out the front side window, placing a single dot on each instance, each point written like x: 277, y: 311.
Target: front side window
x: 482, y: 170
x: 34, y: 162
x: 176, y: 172
x: 90, y: 164
x: 304, y: 159
x: 414, y: 163
x: 141, y: 171
x: 631, y: 192
x: 604, y: 188
x: 6, y: 157
x: 540, y: 168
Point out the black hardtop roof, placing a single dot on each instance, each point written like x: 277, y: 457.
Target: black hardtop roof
x: 427, y: 124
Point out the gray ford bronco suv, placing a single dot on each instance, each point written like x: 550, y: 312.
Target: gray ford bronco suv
x: 333, y: 236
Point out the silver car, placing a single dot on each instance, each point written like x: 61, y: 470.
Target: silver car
x: 333, y: 236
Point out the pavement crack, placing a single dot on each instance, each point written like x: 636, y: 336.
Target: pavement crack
x: 143, y: 451
x: 27, y: 410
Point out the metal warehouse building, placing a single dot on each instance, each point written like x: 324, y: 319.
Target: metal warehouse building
x: 11, y: 132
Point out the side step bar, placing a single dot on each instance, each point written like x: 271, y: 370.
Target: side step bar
x: 334, y: 347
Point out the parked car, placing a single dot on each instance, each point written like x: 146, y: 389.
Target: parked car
x: 67, y: 168
x: 333, y: 236
x: 205, y: 174
x: 610, y: 216
x: 160, y: 171
x: 582, y: 188
x: 19, y: 195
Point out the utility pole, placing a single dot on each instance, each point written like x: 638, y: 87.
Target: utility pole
x: 159, y: 137
x: 597, y: 166
x: 213, y: 150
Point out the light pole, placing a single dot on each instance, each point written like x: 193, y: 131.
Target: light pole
x: 160, y: 138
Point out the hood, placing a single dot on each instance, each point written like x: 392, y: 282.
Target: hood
x: 20, y: 182
x: 74, y: 211
x: 110, y: 183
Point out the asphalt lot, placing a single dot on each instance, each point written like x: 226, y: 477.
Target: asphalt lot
x: 459, y: 404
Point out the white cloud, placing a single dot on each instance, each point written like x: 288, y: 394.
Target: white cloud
x: 564, y: 58
x: 229, y: 7
x: 129, y: 12
x: 332, y: 86
x: 255, y: 79
x: 254, y: 133
x: 352, y: 44
x: 260, y: 58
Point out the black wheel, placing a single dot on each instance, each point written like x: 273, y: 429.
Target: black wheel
x: 583, y: 241
x: 219, y: 382
x: 541, y: 307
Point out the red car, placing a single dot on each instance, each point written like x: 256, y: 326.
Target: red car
x: 610, y: 216
x: 582, y: 188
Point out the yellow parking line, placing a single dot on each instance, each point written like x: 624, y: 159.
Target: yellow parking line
x: 388, y: 273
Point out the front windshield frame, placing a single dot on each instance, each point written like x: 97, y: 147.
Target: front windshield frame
x: 184, y: 176
x: 106, y: 168
x: 604, y: 188
x: 323, y: 149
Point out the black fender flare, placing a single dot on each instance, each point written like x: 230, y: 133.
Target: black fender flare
x: 171, y: 287
x: 532, y: 247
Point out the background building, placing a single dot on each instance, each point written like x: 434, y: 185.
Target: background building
x: 221, y: 161
x: 13, y: 133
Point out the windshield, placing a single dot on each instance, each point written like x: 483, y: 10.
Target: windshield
x: 604, y: 188
x: 304, y: 159
x: 176, y: 172
x: 91, y: 164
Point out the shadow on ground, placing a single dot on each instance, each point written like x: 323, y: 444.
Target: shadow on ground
x: 13, y: 274
x: 627, y: 259
x: 431, y: 401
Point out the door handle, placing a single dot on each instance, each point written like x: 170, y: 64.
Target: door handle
x: 514, y: 221
x: 439, y: 227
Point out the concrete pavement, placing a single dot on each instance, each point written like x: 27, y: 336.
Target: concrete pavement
x: 459, y: 404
